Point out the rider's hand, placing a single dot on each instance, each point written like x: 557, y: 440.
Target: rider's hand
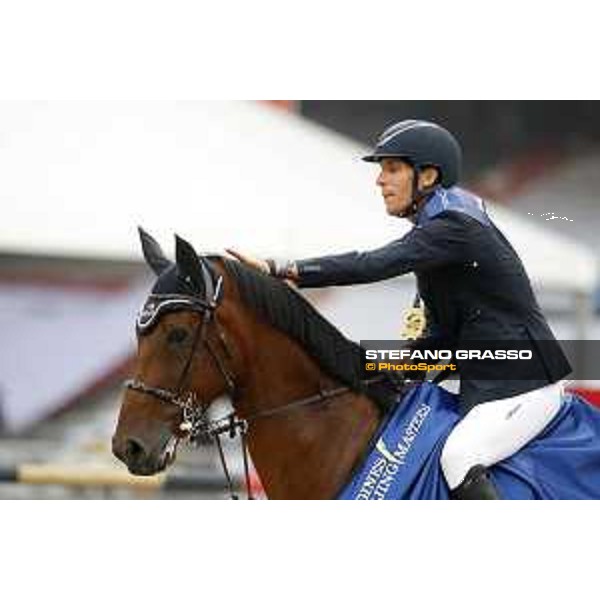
x: 256, y: 263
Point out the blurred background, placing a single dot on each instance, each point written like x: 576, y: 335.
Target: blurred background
x: 274, y: 178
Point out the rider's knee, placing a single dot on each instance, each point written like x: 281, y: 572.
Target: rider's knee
x: 456, y: 459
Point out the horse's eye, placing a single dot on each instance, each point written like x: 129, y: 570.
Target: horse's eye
x: 177, y: 335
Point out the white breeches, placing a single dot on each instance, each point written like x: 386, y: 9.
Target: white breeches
x: 495, y: 430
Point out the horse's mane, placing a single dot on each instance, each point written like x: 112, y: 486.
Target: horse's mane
x: 288, y: 311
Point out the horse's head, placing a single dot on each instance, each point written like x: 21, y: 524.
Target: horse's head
x: 182, y: 360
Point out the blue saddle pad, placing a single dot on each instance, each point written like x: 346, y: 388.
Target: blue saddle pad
x: 404, y: 459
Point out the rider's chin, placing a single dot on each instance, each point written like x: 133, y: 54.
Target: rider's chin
x: 393, y: 210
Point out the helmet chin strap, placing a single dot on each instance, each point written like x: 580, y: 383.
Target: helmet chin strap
x: 417, y: 196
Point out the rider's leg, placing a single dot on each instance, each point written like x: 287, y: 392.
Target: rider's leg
x: 494, y: 431
x: 475, y: 486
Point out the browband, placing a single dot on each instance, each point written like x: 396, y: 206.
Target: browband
x: 157, y: 305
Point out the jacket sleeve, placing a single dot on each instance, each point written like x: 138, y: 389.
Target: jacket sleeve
x: 441, y: 241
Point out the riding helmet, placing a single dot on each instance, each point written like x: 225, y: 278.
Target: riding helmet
x: 421, y: 144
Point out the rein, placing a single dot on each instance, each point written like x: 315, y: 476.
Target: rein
x: 198, y: 427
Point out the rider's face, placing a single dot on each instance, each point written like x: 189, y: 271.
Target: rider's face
x: 396, y: 181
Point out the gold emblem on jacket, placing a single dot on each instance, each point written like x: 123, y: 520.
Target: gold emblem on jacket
x: 414, y: 323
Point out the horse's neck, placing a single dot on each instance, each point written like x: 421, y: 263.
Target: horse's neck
x: 308, y: 451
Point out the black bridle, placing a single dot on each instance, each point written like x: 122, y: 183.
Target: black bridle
x: 195, y: 424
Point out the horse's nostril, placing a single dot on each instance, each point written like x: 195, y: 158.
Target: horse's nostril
x: 134, y: 450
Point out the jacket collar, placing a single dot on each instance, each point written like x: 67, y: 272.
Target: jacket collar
x: 453, y: 199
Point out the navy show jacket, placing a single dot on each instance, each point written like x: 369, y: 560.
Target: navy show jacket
x: 474, y: 287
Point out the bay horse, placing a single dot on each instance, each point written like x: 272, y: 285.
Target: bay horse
x: 213, y: 326
x: 306, y: 409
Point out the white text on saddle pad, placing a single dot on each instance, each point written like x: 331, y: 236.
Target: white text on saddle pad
x: 384, y: 470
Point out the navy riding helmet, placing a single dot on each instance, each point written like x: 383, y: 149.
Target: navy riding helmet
x: 421, y: 144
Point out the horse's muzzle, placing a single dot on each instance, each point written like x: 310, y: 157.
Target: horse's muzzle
x: 139, y: 459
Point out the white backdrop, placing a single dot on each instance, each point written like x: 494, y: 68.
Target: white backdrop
x: 78, y: 177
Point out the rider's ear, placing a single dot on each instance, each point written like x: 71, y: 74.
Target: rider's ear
x: 428, y: 177
x: 153, y: 252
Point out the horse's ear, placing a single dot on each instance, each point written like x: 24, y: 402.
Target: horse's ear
x: 153, y: 252
x: 189, y: 262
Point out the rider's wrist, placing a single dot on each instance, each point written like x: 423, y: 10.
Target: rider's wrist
x: 282, y: 269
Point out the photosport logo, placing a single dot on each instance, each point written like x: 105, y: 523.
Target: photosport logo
x: 527, y: 358
x: 407, y: 358
x: 394, y: 355
x: 421, y: 366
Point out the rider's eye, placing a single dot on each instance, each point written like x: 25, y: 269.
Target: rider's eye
x: 177, y: 335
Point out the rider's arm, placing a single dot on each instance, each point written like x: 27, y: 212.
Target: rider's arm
x: 441, y: 241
